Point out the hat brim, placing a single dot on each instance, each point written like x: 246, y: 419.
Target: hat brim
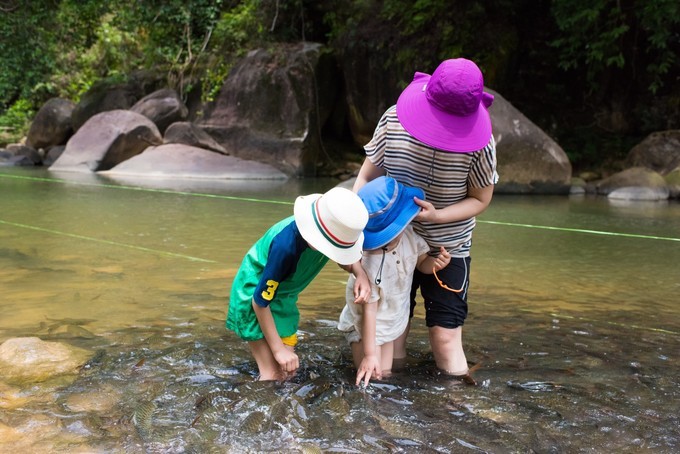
x: 378, y: 239
x: 304, y: 220
x: 439, y: 129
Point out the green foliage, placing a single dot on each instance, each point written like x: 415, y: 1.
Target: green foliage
x: 24, y: 49
x: 236, y: 31
x: 15, y: 121
x: 602, y: 34
x: 594, y: 60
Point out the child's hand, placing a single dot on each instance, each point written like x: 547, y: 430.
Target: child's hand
x: 287, y: 359
x: 369, y: 367
x: 443, y: 259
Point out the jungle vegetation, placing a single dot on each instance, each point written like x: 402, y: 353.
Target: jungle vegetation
x: 597, y: 75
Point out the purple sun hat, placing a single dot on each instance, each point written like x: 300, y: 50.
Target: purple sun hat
x: 448, y: 110
x: 390, y: 208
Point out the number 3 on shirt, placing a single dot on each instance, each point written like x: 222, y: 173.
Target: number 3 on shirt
x: 268, y: 294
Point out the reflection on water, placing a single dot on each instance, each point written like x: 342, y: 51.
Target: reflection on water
x: 577, y: 333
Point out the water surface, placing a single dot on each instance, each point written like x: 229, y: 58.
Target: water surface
x: 574, y: 323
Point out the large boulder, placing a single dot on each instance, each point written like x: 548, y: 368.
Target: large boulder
x: 190, y: 134
x: 184, y: 161
x: 273, y: 105
x: 107, y: 139
x: 18, y: 155
x: 660, y: 151
x: 673, y: 183
x: 31, y: 359
x: 103, y: 97
x: 635, y: 183
x: 163, y: 107
x: 529, y: 161
x: 51, y: 125
x: 367, y: 97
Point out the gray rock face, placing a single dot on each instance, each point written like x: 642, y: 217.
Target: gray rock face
x: 103, y: 97
x: 529, y: 161
x: 106, y: 140
x: 29, y: 358
x: 638, y: 193
x: 163, y: 107
x: 660, y: 151
x: 188, y: 133
x: 673, y: 182
x: 20, y: 156
x: 52, y: 124
x: 184, y: 161
x: 636, y: 183
x: 272, y: 106
x: 368, y: 97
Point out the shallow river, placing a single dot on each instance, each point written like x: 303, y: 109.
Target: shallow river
x: 574, y: 324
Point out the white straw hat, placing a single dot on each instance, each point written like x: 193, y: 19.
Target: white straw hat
x: 333, y: 223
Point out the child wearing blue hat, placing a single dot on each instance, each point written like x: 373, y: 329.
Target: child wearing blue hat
x: 391, y: 253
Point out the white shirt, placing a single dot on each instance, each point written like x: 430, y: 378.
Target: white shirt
x: 393, y: 294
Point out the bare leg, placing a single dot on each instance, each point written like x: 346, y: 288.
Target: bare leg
x: 400, y: 343
x: 447, y: 348
x: 399, y: 359
x: 267, y: 365
x: 386, y: 358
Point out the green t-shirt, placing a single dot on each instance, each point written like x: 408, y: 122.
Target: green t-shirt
x: 273, y: 273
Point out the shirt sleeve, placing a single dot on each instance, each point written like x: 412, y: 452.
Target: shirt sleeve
x: 483, y: 168
x: 375, y: 149
x: 280, y: 264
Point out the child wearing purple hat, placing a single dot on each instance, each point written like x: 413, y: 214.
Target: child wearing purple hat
x: 438, y: 137
x: 391, y: 253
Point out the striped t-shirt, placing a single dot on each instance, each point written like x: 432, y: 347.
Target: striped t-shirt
x: 443, y: 175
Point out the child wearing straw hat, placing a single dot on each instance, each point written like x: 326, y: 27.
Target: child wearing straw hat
x: 263, y: 300
x: 438, y: 137
x: 392, y: 251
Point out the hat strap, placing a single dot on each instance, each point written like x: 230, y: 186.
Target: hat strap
x: 325, y: 231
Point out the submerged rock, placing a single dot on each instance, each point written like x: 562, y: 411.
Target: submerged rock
x: 31, y: 359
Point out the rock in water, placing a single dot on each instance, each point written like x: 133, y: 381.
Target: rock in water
x: 31, y: 359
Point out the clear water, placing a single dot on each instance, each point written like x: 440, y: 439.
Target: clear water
x: 574, y: 323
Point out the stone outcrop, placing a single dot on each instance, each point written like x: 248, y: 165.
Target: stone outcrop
x: 163, y: 107
x: 17, y: 155
x: 51, y: 125
x: 636, y: 183
x: 660, y: 151
x: 673, y: 183
x: 273, y: 104
x: 366, y: 95
x: 104, y: 97
x: 31, y: 359
x: 177, y: 160
x: 529, y: 161
x: 188, y: 133
x: 107, y: 139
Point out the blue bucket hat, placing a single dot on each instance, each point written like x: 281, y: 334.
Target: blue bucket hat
x: 390, y: 208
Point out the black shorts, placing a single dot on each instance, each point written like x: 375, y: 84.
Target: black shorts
x: 443, y: 307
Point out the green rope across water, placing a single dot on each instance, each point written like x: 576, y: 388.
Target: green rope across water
x: 135, y: 188
x: 246, y: 199
x: 595, y: 232
x: 98, y: 240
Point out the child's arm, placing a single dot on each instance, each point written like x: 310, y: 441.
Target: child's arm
x: 370, y: 366
x: 426, y: 263
x: 362, y: 286
x: 286, y: 358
